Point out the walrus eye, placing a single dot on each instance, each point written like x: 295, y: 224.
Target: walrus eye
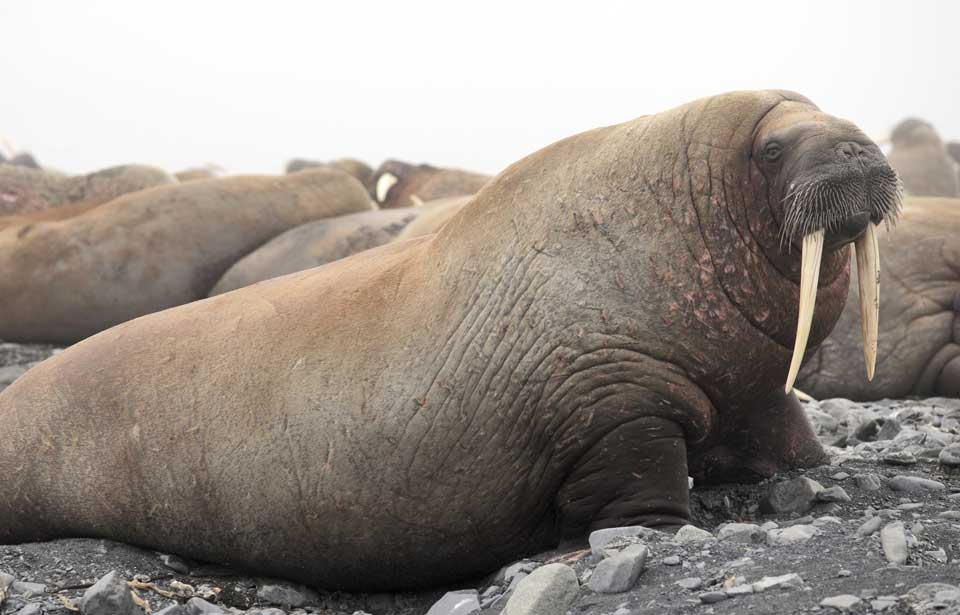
x: 772, y: 151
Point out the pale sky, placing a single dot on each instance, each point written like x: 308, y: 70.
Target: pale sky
x: 86, y: 84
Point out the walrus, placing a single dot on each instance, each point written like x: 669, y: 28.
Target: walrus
x: 919, y: 315
x: 316, y: 243
x: 24, y: 159
x: 401, y: 184
x: 208, y: 171
x: 920, y: 158
x: 359, y: 169
x: 64, y: 280
x: 433, y: 216
x: 607, y: 316
x: 24, y: 190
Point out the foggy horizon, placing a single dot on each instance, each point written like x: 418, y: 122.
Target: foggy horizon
x: 179, y: 85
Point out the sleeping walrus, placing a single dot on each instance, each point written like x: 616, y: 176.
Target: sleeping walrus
x: 608, y: 315
x: 920, y: 158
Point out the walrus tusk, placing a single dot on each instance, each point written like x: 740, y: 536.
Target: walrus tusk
x: 386, y: 181
x: 868, y: 276
x: 809, y: 276
x: 803, y: 396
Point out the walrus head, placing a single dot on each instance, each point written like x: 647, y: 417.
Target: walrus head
x: 914, y: 131
x: 829, y: 185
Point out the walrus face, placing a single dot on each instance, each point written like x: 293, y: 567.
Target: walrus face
x: 829, y: 185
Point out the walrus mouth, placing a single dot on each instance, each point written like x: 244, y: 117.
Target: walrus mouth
x: 835, y: 208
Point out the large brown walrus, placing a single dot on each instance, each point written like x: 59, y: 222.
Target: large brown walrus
x: 359, y: 169
x: 24, y: 190
x: 608, y: 315
x: 64, y: 280
x: 919, y: 315
x: 920, y: 158
x: 434, y: 215
x: 401, y: 184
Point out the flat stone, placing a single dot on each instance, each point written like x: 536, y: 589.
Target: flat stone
x: 893, y: 538
x: 938, y: 556
x: 287, y: 594
x: 910, y: 506
x: 827, y: 520
x: 792, y: 496
x: 843, y: 602
x: 889, y: 430
x: 671, y: 560
x: 619, y: 573
x: 30, y: 609
x: 599, y: 539
x: 951, y: 515
x: 914, y: 484
x: 791, y: 535
x: 833, y: 494
x: 785, y: 581
x: 690, y: 583
x: 548, y: 590
x: 711, y: 597
x: 274, y: 611
x: 899, y: 458
x: 110, y: 595
x: 844, y: 573
x: 950, y: 456
x: 199, y: 606
x: 929, y: 591
x: 692, y: 534
x: 740, y: 590
x: 463, y: 602
x: 741, y: 532
x: 23, y: 588
x: 870, y: 526
x: 769, y: 525
x: 867, y: 482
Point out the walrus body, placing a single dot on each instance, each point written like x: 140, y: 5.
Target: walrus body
x: 359, y: 169
x: 24, y: 190
x: 400, y: 184
x: 919, y: 315
x: 609, y: 315
x: 433, y: 216
x: 922, y: 160
x: 64, y: 280
x: 315, y: 243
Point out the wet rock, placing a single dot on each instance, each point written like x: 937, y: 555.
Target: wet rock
x: 893, y: 538
x: 464, y: 602
x: 833, y: 494
x: 109, y: 596
x: 287, y: 594
x: 792, y: 496
x: 843, y: 602
x: 599, y: 539
x: 912, y: 484
x: 785, y: 581
x: 867, y: 482
x: 691, y: 583
x: 619, y: 572
x: 689, y: 534
x: 741, y: 532
x: 711, y: 597
x: 548, y: 590
x: 791, y: 535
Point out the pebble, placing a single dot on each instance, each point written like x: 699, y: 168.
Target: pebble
x: 619, y: 573
x: 548, y: 590
x: 867, y: 482
x: 741, y: 532
x: 797, y: 495
x: 786, y: 581
x: 843, y: 602
x: 671, y: 560
x: 463, y: 602
x: 827, y: 520
x: 843, y: 572
x: 601, y: 538
x: 791, y: 535
x: 910, y: 506
x: 199, y: 606
x: 870, y: 526
x: 833, y: 494
x: 692, y: 534
x: 109, y: 596
x: 287, y: 594
x: 950, y: 456
x: 739, y: 590
x: 893, y: 538
x: 840, y: 476
x: 899, y: 458
x: 714, y: 596
x: 913, y: 484
x: 690, y: 583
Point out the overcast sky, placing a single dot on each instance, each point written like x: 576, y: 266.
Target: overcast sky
x: 248, y: 85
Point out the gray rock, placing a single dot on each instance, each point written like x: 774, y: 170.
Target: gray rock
x: 511, y: 575
x: 893, y: 538
x: 601, y: 538
x: 463, y: 602
x: 30, y: 609
x: 899, y: 458
x: 671, y: 560
x: 785, y: 581
x: 548, y: 590
x: 619, y: 573
x: 287, y: 594
x: 199, y: 606
x: 912, y: 484
x: 769, y: 525
x: 273, y: 611
x: 792, y: 496
x: 843, y: 602
x: 6, y: 580
x: 823, y: 423
x: 840, y: 476
x: 891, y: 427
x: 870, y: 526
x: 740, y: 590
x: 833, y: 494
x: 10, y: 373
x: 22, y: 588
x: 690, y: 583
x: 689, y: 534
x: 929, y: 591
x: 711, y: 597
x: 910, y: 506
x: 791, y: 535
x: 741, y: 532
x: 938, y: 556
x: 950, y: 456
x: 867, y: 482
x: 109, y: 596
x: 950, y: 515
x: 826, y: 520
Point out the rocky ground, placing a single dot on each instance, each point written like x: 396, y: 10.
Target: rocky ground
x: 877, y: 531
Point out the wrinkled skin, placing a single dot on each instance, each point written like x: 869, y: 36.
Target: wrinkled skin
x: 919, y: 349
x: 607, y: 316
x: 424, y: 183
x: 922, y: 161
x: 64, y: 280
x: 314, y: 244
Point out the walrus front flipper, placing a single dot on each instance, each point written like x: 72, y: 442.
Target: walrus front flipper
x: 635, y: 475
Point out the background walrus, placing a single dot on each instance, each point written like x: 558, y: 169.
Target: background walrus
x: 919, y: 315
x: 401, y: 184
x: 922, y: 161
x: 359, y: 169
x: 607, y: 316
x: 62, y: 281
x: 24, y: 190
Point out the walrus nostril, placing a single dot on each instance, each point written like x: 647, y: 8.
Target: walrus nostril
x: 850, y: 149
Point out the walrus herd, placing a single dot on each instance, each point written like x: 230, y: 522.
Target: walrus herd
x: 479, y: 367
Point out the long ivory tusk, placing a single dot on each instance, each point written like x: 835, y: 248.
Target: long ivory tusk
x: 809, y: 276
x: 868, y: 277
x: 386, y: 181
